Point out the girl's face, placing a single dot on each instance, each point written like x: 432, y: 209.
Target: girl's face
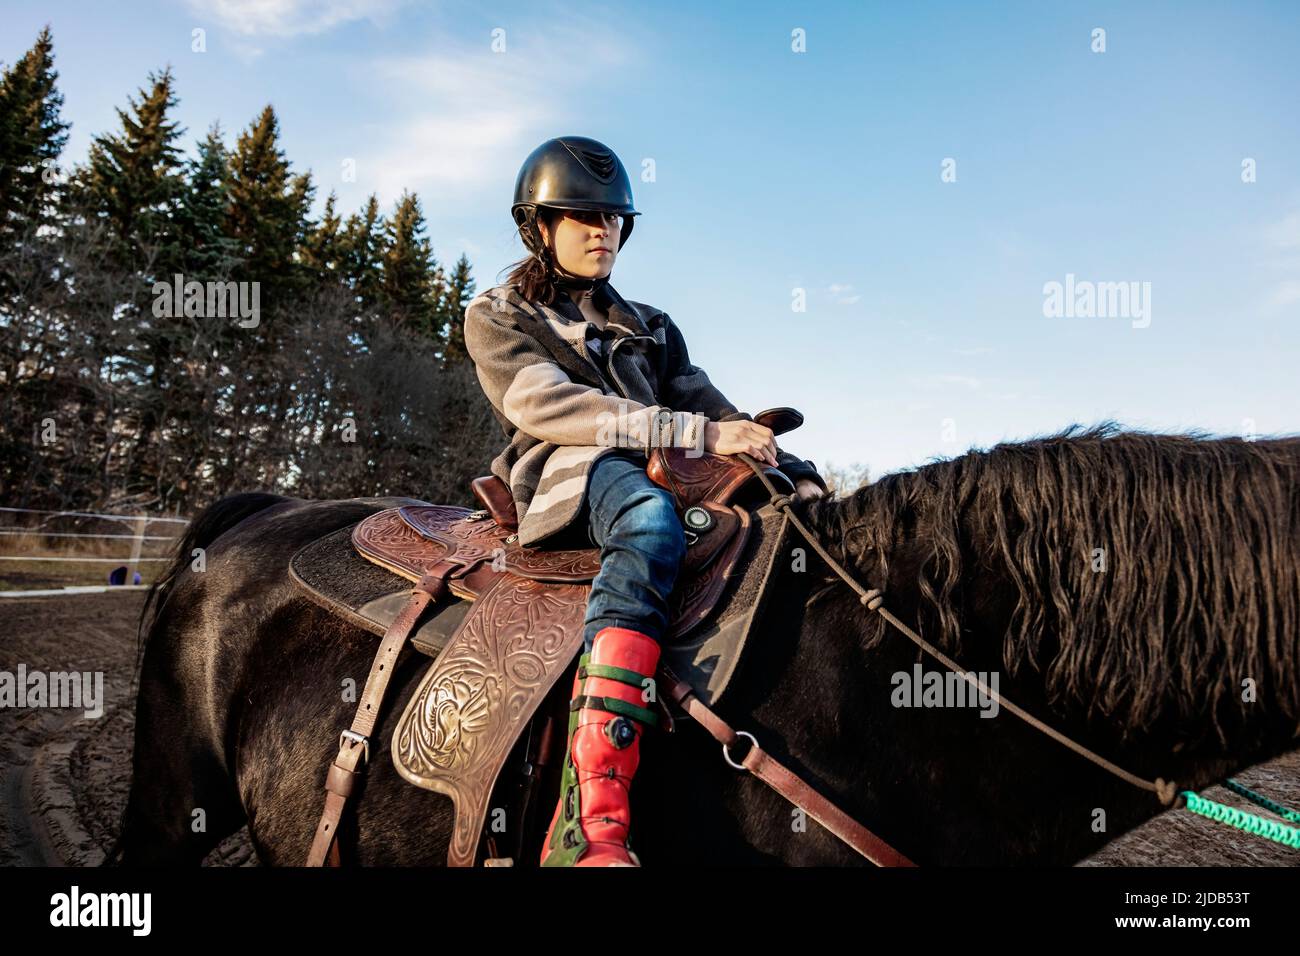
x: 586, y: 243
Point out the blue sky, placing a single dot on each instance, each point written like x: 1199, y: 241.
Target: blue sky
x: 924, y: 332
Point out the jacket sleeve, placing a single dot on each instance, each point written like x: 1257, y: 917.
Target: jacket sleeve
x: 525, y: 384
x: 688, y: 386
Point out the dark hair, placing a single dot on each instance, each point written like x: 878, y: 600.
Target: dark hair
x: 533, y: 279
x: 1215, y: 588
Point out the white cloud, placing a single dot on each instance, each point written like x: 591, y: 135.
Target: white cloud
x: 291, y: 17
x: 430, y: 153
x: 246, y: 52
x: 843, y: 294
x: 1285, y: 293
x: 466, y: 117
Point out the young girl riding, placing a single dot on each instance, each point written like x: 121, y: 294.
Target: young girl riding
x: 585, y: 384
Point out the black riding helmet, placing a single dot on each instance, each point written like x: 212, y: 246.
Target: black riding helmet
x: 570, y: 172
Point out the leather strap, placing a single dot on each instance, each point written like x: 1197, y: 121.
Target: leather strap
x: 768, y: 769
x: 354, y: 743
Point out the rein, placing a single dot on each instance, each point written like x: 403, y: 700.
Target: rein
x: 1166, y: 791
x: 790, y: 786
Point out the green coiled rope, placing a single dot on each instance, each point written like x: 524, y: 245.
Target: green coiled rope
x: 1244, y: 820
x: 1263, y: 801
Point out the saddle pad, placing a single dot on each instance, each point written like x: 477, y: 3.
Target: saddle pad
x: 331, y: 574
x: 476, y: 698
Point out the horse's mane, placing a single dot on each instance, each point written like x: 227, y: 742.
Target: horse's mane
x: 1202, y: 583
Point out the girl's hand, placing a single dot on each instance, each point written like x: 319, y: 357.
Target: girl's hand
x: 742, y: 435
x: 807, y: 488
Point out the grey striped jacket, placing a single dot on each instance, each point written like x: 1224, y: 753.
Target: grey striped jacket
x: 566, y: 395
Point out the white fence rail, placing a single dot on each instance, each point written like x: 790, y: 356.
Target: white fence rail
x: 138, y: 522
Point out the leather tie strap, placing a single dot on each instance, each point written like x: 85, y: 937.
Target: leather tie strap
x: 354, y: 743
x: 768, y: 769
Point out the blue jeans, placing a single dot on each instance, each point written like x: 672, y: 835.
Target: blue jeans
x: 633, y: 522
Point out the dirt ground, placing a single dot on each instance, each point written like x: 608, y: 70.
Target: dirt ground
x: 64, y: 777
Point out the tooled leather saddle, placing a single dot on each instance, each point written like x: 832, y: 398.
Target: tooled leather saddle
x: 504, y: 623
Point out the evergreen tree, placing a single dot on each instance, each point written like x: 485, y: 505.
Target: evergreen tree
x: 126, y: 201
x: 134, y: 181
x: 201, y: 217
x: 267, y: 215
x: 324, y: 250
x: 199, y: 389
x: 32, y: 137
x: 410, y: 284
x: 177, y: 410
x: 268, y: 209
x: 363, y: 254
x: 456, y: 297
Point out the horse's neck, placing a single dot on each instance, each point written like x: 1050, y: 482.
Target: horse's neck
x: 1182, y: 735
x: 825, y: 695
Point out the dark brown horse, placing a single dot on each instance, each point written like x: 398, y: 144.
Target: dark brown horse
x: 1139, y: 592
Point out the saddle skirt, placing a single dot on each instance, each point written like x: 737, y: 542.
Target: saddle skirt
x: 512, y: 625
